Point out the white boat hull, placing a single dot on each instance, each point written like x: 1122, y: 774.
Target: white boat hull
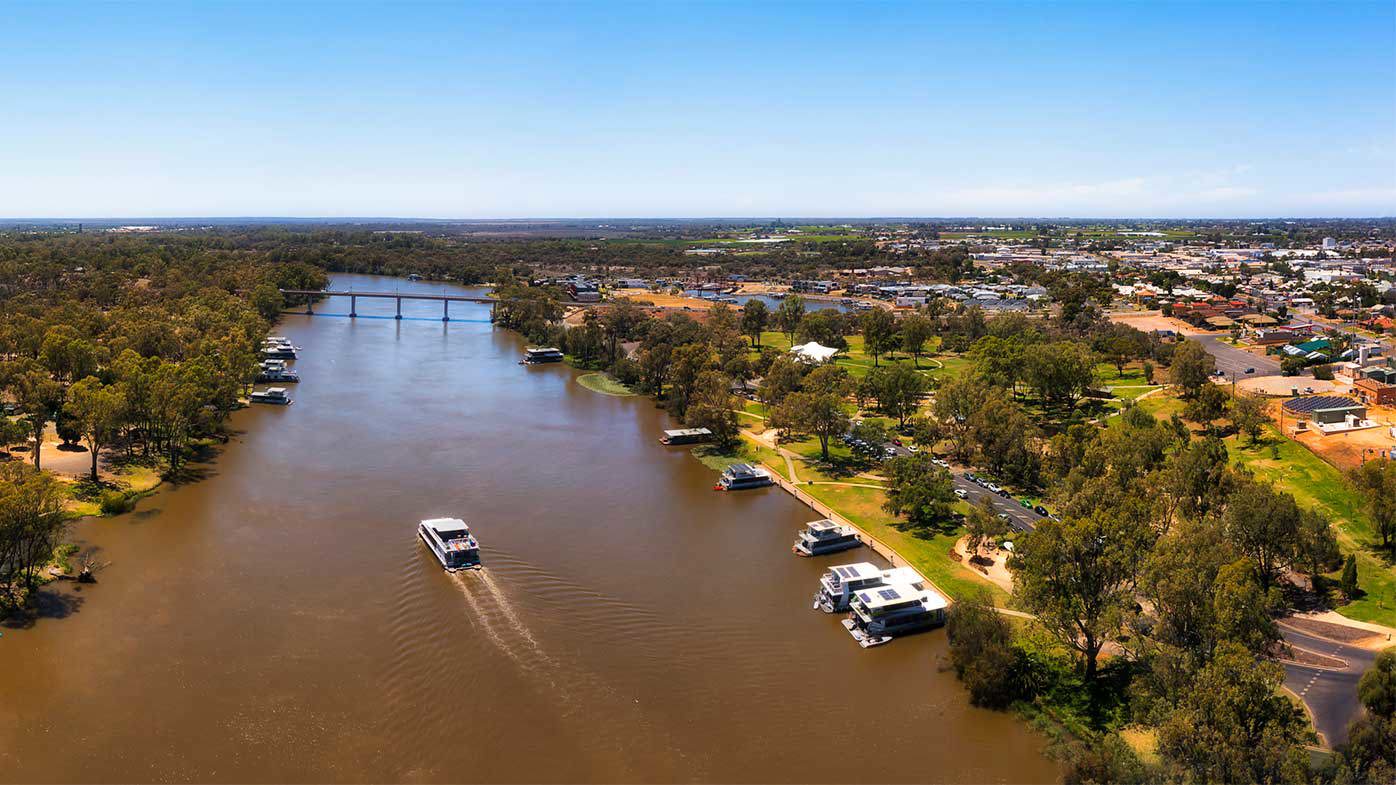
x: 431, y: 548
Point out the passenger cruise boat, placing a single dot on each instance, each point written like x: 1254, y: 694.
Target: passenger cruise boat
x: 837, y: 586
x: 272, y: 395
x: 451, y: 542
x: 741, y: 476
x: 877, y: 615
x: 824, y: 536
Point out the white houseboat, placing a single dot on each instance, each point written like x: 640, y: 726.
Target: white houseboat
x: 838, y: 585
x: 877, y: 615
x: 451, y: 542
x: 686, y: 436
x: 272, y: 395
x: 546, y: 354
x: 280, y: 351
x: 824, y: 536
x: 741, y: 476
x: 276, y: 371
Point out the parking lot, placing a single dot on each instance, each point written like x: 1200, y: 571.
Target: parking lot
x: 1019, y: 517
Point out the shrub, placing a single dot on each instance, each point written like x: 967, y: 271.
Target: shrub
x: 116, y: 503
x: 983, y: 654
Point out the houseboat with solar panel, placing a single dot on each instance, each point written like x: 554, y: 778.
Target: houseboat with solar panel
x: 838, y: 585
x: 824, y: 536
x: 451, y: 542
x: 741, y: 476
x: 877, y: 615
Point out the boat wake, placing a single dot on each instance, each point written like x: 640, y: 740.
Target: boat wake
x: 492, y: 612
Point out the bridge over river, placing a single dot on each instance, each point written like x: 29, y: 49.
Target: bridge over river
x: 310, y: 296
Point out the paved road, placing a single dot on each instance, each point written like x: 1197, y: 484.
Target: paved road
x: 1019, y: 517
x: 1231, y: 360
x: 1330, y: 693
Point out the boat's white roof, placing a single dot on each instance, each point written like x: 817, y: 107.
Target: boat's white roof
x: 276, y: 390
x: 894, y: 593
x: 855, y: 571
x: 904, y: 575
x: 445, y: 523
x: 822, y: 524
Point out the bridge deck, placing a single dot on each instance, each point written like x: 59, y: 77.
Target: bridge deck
x: 394, y: 295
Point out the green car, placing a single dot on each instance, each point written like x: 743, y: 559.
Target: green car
x: 1025, y: 503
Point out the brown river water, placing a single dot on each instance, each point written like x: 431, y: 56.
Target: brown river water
x: 279, y: 620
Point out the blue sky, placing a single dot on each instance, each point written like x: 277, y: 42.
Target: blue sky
x: 665, y: 109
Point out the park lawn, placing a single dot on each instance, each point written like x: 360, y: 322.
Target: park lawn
x: 1318, y: 485
x: 1107, y: 375
x: 854, y: 359
x: 603, y: 383
x: 756, y: 409
x: 1131, y: 392
x: 1163, y: 405
x: 717, y: 460
x: 930, y: 554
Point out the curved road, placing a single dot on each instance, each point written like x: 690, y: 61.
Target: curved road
x: 1330, y: 693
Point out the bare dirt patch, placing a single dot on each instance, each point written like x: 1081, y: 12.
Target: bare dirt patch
x: 1347, y: 450
x: 1153, y: 320
x: 1323, y: 629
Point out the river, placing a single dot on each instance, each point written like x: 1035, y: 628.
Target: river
x: 279, y: 620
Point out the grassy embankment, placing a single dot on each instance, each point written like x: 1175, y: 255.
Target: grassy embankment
x: 603, y: 383
x: 1315, y: 484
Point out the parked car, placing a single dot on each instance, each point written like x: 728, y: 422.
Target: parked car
x: 962, y: 493
x: 1004, y: 493
x: 1040, y: 510
x: 1025, y: 503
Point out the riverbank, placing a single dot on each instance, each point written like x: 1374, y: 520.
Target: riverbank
x: 631, y: 624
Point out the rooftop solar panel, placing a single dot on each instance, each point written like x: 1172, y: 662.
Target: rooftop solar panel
x: 888, y: 594
x: 1320, y: 402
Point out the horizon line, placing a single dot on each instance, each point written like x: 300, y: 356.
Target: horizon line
x: 725, y: 218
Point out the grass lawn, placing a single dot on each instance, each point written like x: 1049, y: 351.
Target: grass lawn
x: 1317, y: 485
x: 603, y: 383
x: 858, y: 363
x: 930, y: 553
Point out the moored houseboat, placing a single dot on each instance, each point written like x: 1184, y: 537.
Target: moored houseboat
x: 543, y: 354
x: 877, y: 615
x: 686, y: 436
x: 741, y: 476
x: 838, y: 585
x: 276, y: 371
x: 450, y: 541
x: 278, y: 351
x: 824, y: 536
x: 273, y: 395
